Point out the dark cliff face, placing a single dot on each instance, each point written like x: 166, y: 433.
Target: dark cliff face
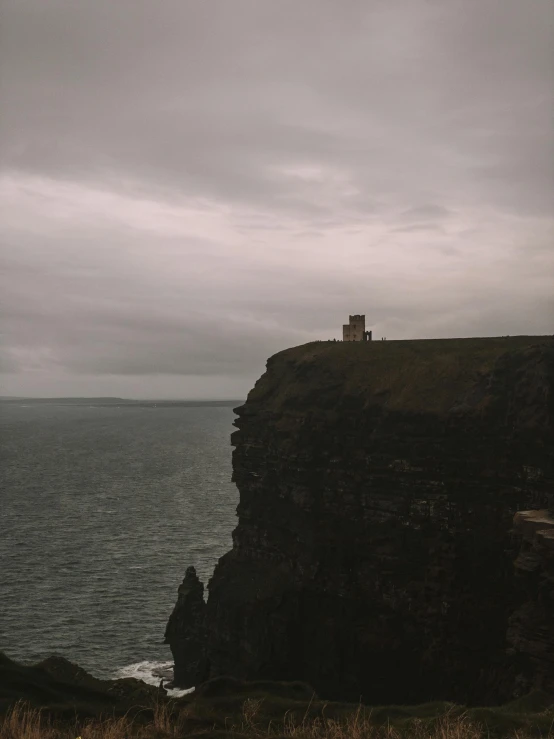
x: 378, y: 483
x: 531, y: 626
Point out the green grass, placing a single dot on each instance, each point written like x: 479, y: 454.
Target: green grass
x: 421, y: 375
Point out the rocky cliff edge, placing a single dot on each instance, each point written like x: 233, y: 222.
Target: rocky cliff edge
x: 373, y: 556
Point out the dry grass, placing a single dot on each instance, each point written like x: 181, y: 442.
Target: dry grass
x: 360, y: 726
x: 169, y: 722
x: 23, y: 722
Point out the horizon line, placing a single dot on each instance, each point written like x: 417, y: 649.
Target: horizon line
x: 117, y: 397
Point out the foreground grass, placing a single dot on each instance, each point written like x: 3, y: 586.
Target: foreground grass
x: 174, y: 720
x: 57, y: 700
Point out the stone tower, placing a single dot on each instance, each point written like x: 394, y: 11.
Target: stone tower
x: 354, y: 330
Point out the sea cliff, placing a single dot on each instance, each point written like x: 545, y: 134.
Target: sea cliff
x: 374, y: 552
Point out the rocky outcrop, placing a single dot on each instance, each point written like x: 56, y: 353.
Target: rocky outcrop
x: 378, y: 482
x: 185, y: 632
x: 531, y: 627
x: 64, y: 690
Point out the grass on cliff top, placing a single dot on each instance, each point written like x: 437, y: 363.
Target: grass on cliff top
x: 426, y: 374
x: 260, y: 714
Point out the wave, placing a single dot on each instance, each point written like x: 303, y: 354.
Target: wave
x: 151, y: 673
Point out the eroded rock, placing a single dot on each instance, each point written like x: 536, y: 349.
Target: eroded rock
x: 185, y: 633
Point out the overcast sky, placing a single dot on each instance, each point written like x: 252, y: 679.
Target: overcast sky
x: 189, y: 186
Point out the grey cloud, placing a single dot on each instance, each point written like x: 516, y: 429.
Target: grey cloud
x: 426, y: 212
x: 282, y: 165
x: 209, y: 97
x: 418, y: 227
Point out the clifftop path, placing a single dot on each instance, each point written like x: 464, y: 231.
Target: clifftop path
x: 378, y: 482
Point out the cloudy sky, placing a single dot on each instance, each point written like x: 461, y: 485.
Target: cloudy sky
x: 189, y: 186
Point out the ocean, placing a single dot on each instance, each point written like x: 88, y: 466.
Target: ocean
x: 102, y: 509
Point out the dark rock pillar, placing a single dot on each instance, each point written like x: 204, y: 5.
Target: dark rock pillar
x: 185, y: 633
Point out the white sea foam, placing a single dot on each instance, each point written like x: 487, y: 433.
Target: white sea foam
x: 151, y: 673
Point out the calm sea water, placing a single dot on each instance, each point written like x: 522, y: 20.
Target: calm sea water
x: 101, y: 511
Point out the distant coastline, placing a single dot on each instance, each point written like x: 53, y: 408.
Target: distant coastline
x: 120, y: 402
